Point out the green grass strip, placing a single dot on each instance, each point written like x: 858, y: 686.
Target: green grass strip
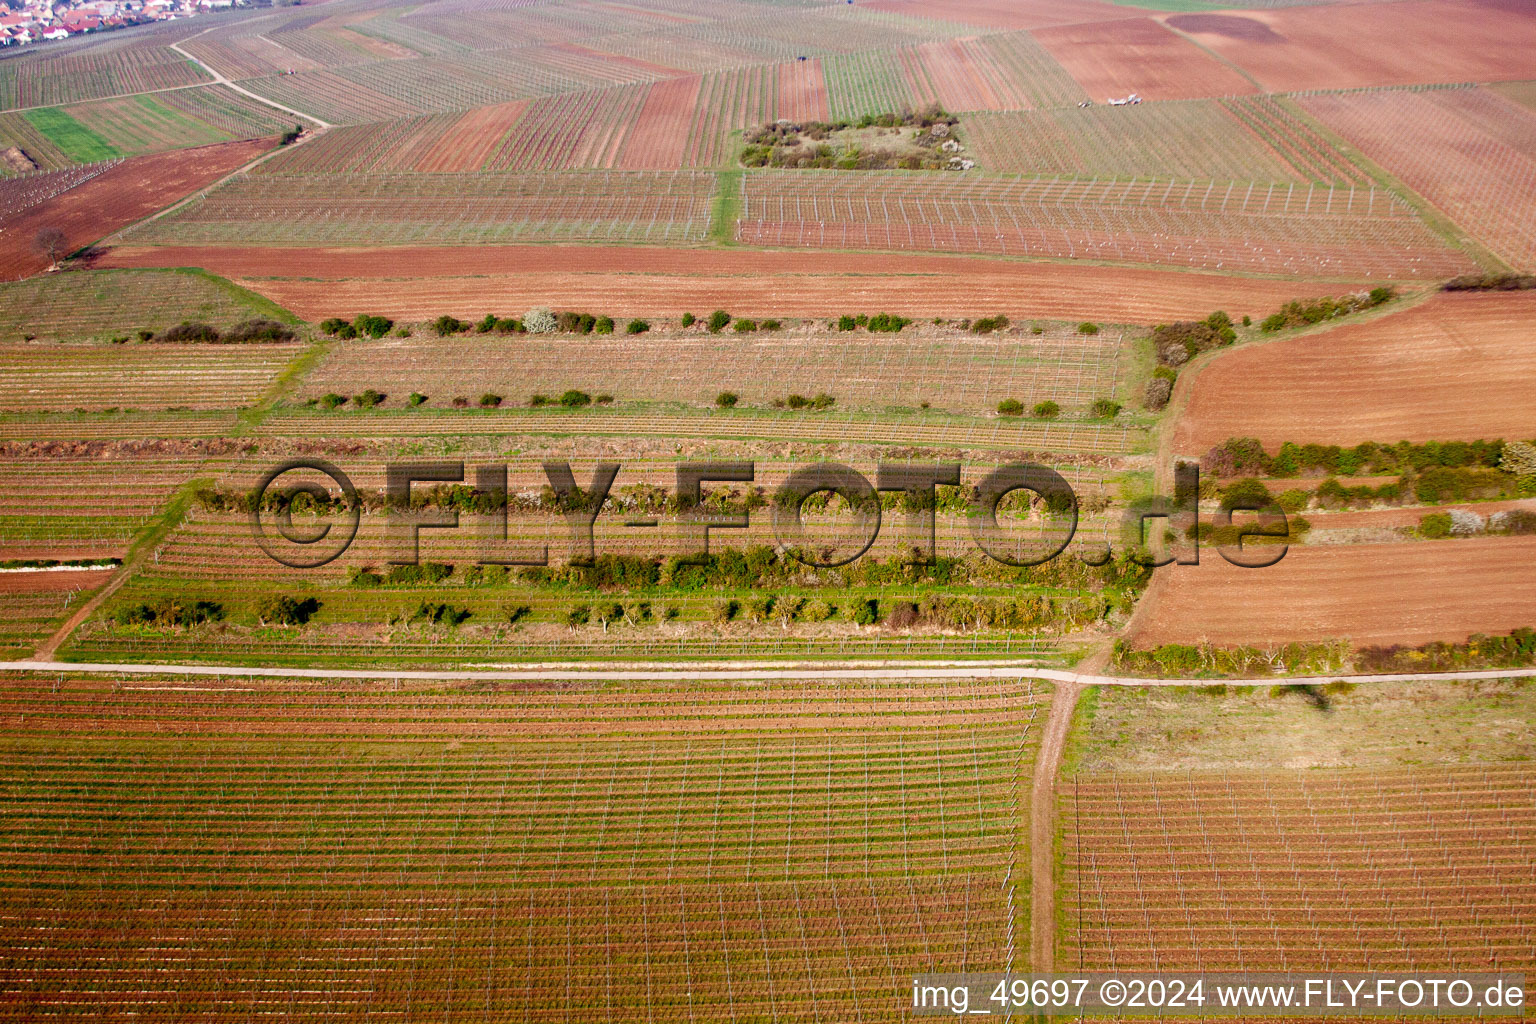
x: 74, y: 139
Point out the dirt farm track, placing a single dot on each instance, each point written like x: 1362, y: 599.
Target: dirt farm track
x: 421, y: 282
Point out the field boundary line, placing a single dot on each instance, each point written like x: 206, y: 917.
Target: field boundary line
x: 708, y: 671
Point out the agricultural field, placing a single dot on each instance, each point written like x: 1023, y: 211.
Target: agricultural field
x: 1470, y: 152
x: 561, y: 766
x: 1227, y: 226
x: 645, y: 281
x: 628, y: 851
x: 952, y: 370
x: 103, y: 304
x: 1313, y: 380
x: 37, y: 82
x: 1370, y: 594
x: 101, y: 203
x: 1244, y: 830
x: 1190, y: 139
x: 385, y: 208
x: 1320, y: 47
x: 1139, y: 55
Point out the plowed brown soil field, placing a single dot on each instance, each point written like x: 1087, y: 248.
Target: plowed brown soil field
x: 133, y: 189
x: 1004, y: 13
x: 417, y: 282
x: 660, y: 134
x: 1457, y: 367
x: 1370, y: 594
x: 1140, y: 55
x: 1349, y: 46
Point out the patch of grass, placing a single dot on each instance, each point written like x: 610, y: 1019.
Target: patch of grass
x: 76, y: 141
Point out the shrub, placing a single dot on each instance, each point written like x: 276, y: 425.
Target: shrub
x: 460, y: 402
x: 689, y: 320
x: 637, y: 327
x: 603, y: 400
x: 904, y: 615
x: 1294, y: 500
x: 725, y: 611
x: 446, y: 325
x: 1046, y: 410
x: 1519, y: 521
x: 169, y: 612
x: 440, y: 614
x: 744, y: 326
x: 1105, y: 409
x: 1245, y: 493
x: 187, y: 331
x: 258, y: 330
x: 332, y: 400
x: 368, y: 399
x: 817, y: 610
x: 365, y: 578
x: 539, y: 401
x: 846, y: 323
x: 539, y: 320
x: 604, y: 325
x: 823, y: 401
x: 866, y: 612
x: 1157, y: 393
x: 374, y: 326
x: 772, y: 325
x: 988, y: 324
x: 727, y: 399
x: 887, y: 323
x: 487, y: 325
x: 797, y: 401
x: 1435, y: 525
x: 414, y: 575
x: 575, y: 399
x: 579, y: 615
x: 1087, y: 328
x: 144, y: 334
x: 417, y: 398
x: 717, y: 321
x: 287, y: 611
x: 508, y: 325
x: 1465, y: 523
x: 489, y: 401
x: 1010, y: 407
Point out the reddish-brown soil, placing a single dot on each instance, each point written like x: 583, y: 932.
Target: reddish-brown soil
x: 1004, y: 13
x: 52, y: 582
x: 802, y: 92
x: 660, y: 134
x: 1471, y: 152
x: 423, y: 282
x: 1457, y: 367
x: 1140, y: 55
x: 607, y: 59
x: 1348, y: 46
x: 472, y: 139
x: 1412, y: 592
x: 133, y: 189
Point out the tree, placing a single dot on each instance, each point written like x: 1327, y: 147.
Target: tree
x: 49, y: 243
